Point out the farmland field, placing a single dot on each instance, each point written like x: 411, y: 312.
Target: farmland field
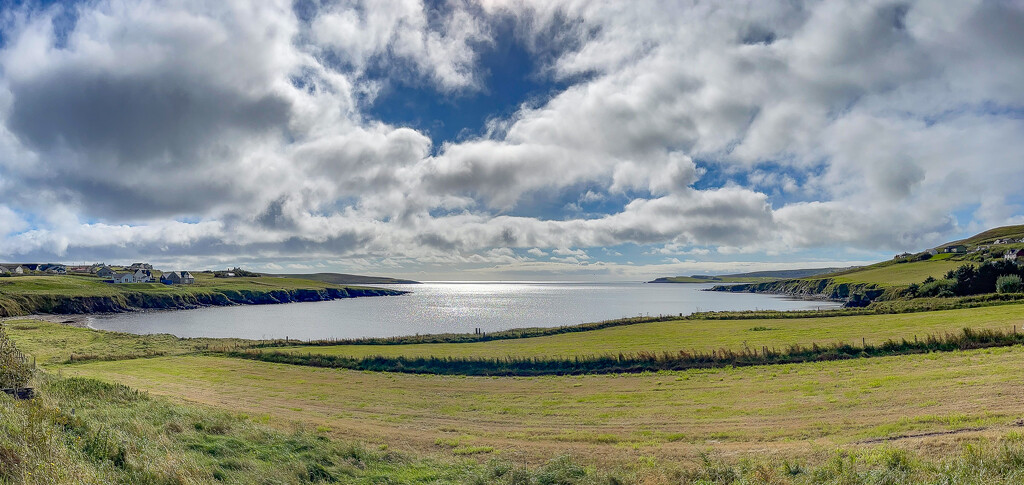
x: 706, y: 335
x: 796, y: 408
x: 927, y: 403
x: 80, y: 285
x: 902, y: 273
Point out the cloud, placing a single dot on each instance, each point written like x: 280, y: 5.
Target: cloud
x: 402, y: 32
x: 202, y: 132
x: 537, y: 252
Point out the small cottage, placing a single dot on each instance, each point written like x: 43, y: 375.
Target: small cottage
x: 177, y: 278
x: 121, y: 278
x: 14, y: 269
x: 143, y: 276
x: 1014, y: 255
x: 105, y: 272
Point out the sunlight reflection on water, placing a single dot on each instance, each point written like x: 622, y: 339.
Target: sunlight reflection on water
x: 438, y: 307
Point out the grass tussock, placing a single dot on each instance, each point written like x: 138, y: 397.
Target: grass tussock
x: 15, y: 369
x: 999, y: 461
x: 640, y: 362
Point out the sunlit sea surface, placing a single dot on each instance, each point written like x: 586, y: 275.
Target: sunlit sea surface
x: 440, y: 307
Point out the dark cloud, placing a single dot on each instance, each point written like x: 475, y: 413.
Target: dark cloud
x: 205, y: 131
x: 155, y: 120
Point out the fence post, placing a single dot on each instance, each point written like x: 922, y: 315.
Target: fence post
x: 863, y: 343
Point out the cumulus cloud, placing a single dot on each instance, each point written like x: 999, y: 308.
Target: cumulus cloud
x: 402, y: 32
x: 198, y: 132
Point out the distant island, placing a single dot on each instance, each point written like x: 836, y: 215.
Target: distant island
x: 346, y: 279
x: 755, y: 276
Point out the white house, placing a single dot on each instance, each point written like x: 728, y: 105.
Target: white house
x: 121, y: 278
x: 143, y: 276
x: 14, y: 269
x: 1014, y: 255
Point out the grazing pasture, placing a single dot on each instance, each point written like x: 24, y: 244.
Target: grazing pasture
x: 899, y: 274
x: 704, y: 335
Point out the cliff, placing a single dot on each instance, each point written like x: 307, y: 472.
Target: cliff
x: 826, y: 288
x: 25, y: 304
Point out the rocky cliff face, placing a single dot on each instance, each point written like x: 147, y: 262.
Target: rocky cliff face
x: 13, y: 305
x: 826, y: 288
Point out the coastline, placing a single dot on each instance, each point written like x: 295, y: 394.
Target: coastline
x: 67, y: 307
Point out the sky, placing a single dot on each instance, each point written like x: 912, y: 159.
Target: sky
x: 506, y: 139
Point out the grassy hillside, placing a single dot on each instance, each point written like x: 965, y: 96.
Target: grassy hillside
x: 86, y: 294
x: 711, y: 279
x: 883, y: 279
x: 752, y: 277
x: 1015, y: 232
x: 81, y: 285
x: 898, y: 274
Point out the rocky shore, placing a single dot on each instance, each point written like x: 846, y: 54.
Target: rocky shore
x: 20, y: 305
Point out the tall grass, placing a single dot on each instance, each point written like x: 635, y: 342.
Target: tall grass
x: 639, y: 362
x: 85, y: 431
x: 15, y: 370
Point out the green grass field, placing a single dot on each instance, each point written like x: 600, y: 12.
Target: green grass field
x: 79, y: 285
x: 706, y: 335
x: 54, y: 343
x: 25, y: 295
x: 891, y: 274
x: 668, y: 414
x: 84, y: 431
x: 755, y: 422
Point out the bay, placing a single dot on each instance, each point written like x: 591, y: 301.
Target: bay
x: 441, y: 307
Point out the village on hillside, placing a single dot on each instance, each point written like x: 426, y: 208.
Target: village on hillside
x: 134, y: 273
x: 984, y: 251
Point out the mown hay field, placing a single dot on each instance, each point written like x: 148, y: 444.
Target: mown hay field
x: 785, y: 409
